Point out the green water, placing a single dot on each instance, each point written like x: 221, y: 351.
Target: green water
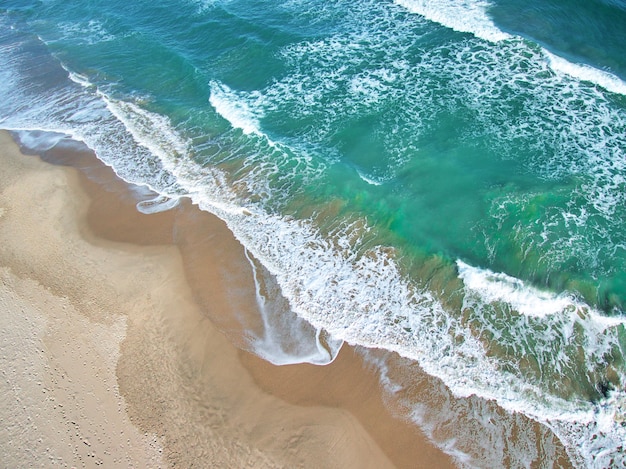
x: 415, y: 182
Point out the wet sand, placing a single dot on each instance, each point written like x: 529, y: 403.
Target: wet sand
x: 119, y: 333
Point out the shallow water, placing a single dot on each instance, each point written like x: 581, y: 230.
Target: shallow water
x: 443, y: 180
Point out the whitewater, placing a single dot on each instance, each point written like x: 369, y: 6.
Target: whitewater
x: 350, y: 273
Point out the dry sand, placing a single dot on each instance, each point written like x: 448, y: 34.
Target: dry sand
x: 110, y: 354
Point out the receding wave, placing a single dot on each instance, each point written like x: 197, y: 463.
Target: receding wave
x: 363, y: 298
x: 496, y: 439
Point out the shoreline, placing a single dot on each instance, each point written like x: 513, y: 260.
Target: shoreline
x: 160, y: 295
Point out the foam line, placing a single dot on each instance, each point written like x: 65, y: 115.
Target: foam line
x: 234, y: 110
x: 362, y: 297
x: 463, y: 16
x: 585, y: 72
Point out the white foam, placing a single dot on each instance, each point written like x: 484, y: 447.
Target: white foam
x: 369, y: 179
x: 358, y: 297
x: 367, y: 88
x: 235, y: 110
x: 470, y: 16
x: 79, y: 79
x: 286, y: 339
x: 158, y: 204
x: 39, y: 141
x: 499, y: 287
x: 585, y: 72
x: 467, y: 16
x: 150, y: 130
x: 91, y: 32
x: 474, y: 432
x: 205, y: 5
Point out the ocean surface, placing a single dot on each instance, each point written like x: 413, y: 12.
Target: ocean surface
x: 441, y: 179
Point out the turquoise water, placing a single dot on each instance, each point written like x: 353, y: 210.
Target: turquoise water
x: 441, y: 179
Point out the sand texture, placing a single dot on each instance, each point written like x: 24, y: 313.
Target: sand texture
x: 116, y: 343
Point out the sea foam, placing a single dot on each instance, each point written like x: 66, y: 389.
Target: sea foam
x: 364, y: 300
x: 472, y: 17
x: 463, y: 16
x: 234, y: 110
x: 360, y: 297
x: 585, y: 72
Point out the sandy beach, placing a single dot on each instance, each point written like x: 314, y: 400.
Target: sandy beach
x: 119, y: 342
